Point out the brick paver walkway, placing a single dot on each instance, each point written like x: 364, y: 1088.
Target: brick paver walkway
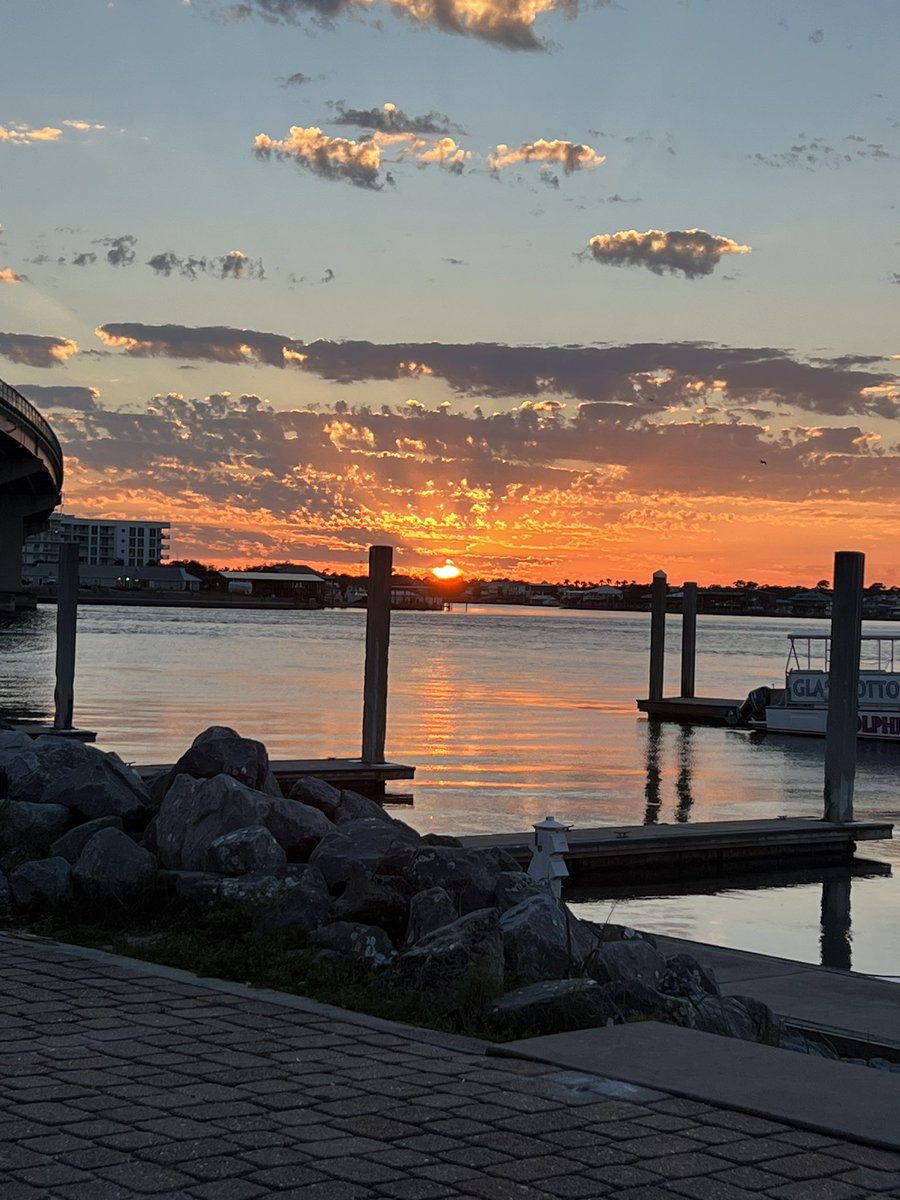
x: 116, y: 1082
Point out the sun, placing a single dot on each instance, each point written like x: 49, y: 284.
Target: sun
x: 448, y: 571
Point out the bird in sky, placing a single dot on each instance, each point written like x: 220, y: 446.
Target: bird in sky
x: 763, y: 461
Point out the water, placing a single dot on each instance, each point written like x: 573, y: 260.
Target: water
x: 507, y: 714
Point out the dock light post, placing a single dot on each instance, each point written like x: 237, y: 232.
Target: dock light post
x: 378, y: 636
x: 548, y: 854
x: 843, y: 685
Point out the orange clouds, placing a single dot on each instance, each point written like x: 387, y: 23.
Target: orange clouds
x: 8, y: 275
x: 571, y: 156
x: 21, y: 135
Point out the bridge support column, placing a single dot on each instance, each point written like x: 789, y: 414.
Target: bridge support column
x: 12, y: 535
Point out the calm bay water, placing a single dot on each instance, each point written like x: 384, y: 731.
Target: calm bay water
x: 507, y: 714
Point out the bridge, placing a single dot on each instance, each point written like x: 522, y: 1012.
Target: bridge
x: 31, y: 476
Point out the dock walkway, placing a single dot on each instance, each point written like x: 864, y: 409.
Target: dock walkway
x: 368, y: 779
x: 640, y: 852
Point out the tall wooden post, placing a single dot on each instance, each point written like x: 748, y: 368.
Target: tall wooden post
x: 66, y: 620
x: 657, y: 634
x: 843, y: 682
x: 688, y: 639
x: 378, y: 635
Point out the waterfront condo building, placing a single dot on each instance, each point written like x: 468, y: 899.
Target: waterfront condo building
x: 100, y: 543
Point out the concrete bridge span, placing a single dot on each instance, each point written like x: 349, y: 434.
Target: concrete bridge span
x: 31, y: 477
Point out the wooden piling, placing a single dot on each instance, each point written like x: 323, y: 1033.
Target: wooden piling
x: 688, y: 640
x: 658, y: 595
x: 843, y: 683
x: 66, y: 621
x: 378, y: 634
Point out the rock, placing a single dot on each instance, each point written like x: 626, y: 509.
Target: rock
x: 541, y: 939
x: 354, y: 807
x: 363, y: 943
x: 199, y: 886
x: 515, y: 886
x: 101, y: 785
x: 637, y: 1002
x: 307, y: 906
x: 197, y: 811
x: 552, y: 1006
x: 70, y: 845
x: 370, y: 899
x: 368, y: 842
x: 317, y: 793
x: 470, y: 876
x: 429, y: 910
x: 44, y: 881
x: 245, y: 850
x: 441, y: 839
x: 468, y: 954
x: 628, y: 962
x: 112, y: 865
x: 768, y: 1028
x: 297, y: 827
x: 5, y: 893
x: 31, y: 826
x: 684, y: 976
x: 726, y: 1016
x: 255, y: 886
x: 221, y: 751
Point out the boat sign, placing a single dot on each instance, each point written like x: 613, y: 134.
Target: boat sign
x: 875, y: 688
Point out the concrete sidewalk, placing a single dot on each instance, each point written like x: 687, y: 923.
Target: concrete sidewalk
x: 121, y: 1079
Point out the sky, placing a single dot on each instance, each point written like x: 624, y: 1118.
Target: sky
x: 557, y: 290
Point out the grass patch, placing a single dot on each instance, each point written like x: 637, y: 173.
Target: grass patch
x: 219, y: 942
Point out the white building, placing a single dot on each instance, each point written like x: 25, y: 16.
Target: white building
x: 100, y: 543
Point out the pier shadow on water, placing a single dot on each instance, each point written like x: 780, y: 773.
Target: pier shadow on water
x: 653, y: 791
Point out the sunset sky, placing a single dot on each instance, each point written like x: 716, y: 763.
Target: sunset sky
x: 556, y: 290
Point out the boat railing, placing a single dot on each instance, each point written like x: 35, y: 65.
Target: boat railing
x: 878, y: 651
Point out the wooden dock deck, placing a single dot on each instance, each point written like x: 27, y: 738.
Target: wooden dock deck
x: 707, y: 848
x: 368, y: 779
x: 690, y: 710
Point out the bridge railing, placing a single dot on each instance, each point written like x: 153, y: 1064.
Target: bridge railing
x: 12, y: 401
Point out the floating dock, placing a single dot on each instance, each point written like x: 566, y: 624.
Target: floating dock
x: 708, y: 848
x: 368, y: 779
x: 690, y: 710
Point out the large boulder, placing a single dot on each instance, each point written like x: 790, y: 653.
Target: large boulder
x: 97, y: 785
x: 372, y: 899
x: 468, y: 954
x: 112, y: 865
x: 295, y: 826
x: 368, y: 842
x: 307, y: 906
x: 542, y: 940
x: 354, y: 807
x: 633, y: 961
x: 684, y: 976
x: 71, y: 844
x: 317, y: 793
x: 31, y: 826
x: 245, y: 850
x: 515, y: 886
x: 429, y: 910
x: 44, y: 881
x: 469, y: 876
x: 362, y: 943
x: 197, y: 811
x: 219, y: 750
x: 552, y: 1006
x: 5, y: 893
